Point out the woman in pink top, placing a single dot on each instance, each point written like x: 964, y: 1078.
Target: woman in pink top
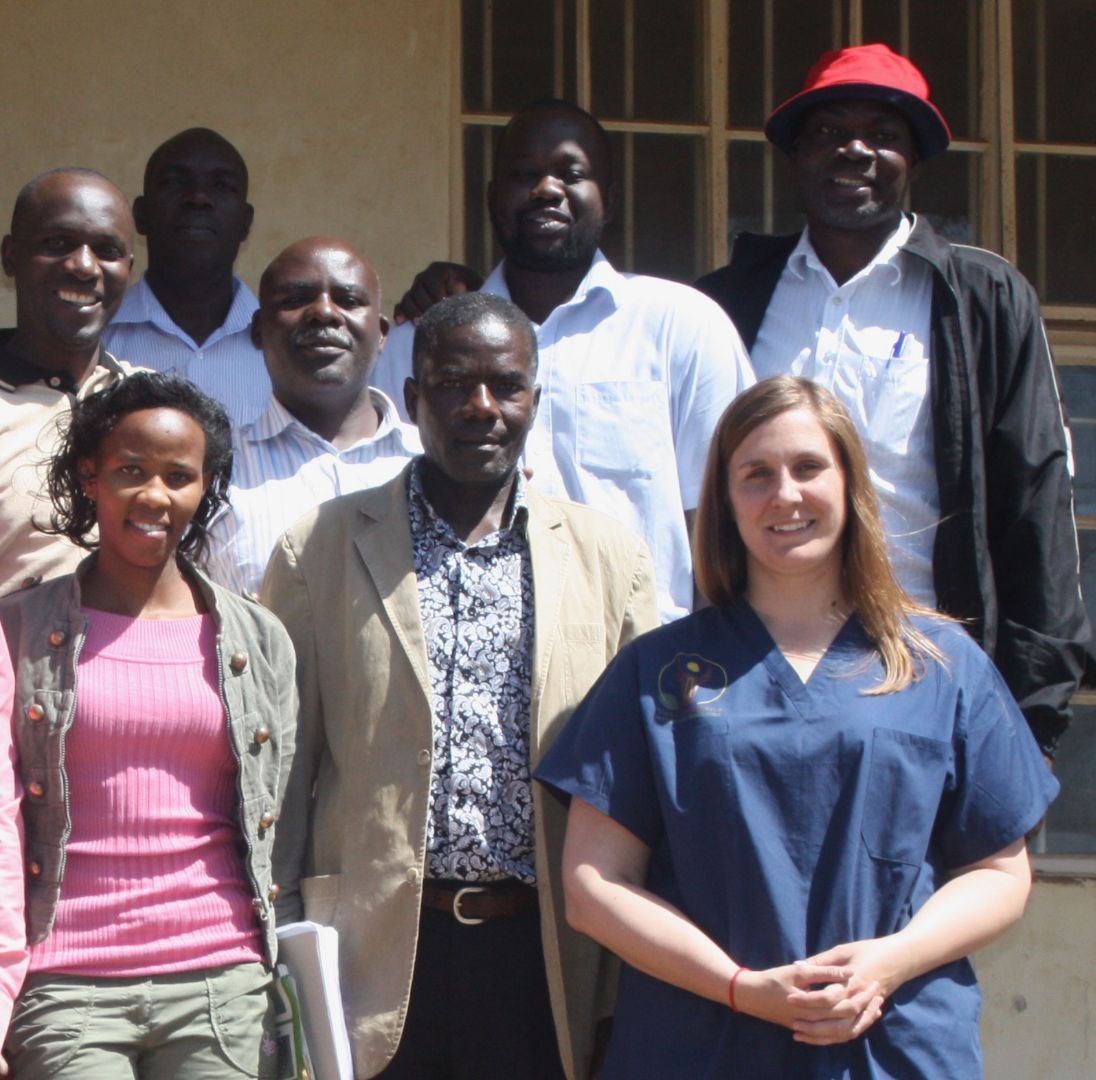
x: 154, y: 716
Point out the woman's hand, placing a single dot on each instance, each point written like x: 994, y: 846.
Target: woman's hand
x: 822, y: 1003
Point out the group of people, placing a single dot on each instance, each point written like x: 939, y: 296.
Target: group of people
x: 322, y: 618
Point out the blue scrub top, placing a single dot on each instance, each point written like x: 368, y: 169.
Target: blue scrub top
x: 785, y: 818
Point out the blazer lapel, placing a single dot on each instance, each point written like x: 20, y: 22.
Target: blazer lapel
x: 550, y: 553
x: 383, y: 541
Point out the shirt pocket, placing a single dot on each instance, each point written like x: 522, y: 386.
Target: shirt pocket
x: 906, y: 778
x: 623, y: 428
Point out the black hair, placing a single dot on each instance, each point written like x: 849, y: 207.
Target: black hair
x: 197, y: 133
x: 97, y: 415
x: 564, y: 106
x: 469, y: 309
x: 30, y: 188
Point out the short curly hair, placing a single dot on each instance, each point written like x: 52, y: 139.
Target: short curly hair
x: 97, y: 415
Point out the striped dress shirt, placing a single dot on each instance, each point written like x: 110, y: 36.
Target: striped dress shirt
x: 226, y: 365
x: 281, y: 470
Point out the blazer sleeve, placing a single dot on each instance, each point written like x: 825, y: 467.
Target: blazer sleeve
x: 285, y: 593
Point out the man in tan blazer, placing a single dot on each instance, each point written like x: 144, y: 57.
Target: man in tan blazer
x: 446, y: 625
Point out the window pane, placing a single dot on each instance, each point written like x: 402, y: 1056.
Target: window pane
x: 647, y: 61
x: 1052, y: 65
x: 747, y: 210
x: 1056, y: 226
x: 662, y: 208
x: 480, y: 251
x: 1087, y: 540
x: 948, y: 192
x: 1079, y: 392
x: 1071, y: 823
x: 532, y: 53
x: 943, y: 40
x: 801, y: 31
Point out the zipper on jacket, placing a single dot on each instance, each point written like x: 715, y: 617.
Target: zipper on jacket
x: 69, y: 718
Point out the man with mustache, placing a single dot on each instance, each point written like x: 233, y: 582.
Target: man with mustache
x: 324, y: 432
x: 70, y: 250
x: 939, y: 352
x: 189, y: 313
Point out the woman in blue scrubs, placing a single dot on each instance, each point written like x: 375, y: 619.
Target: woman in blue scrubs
x: 795, y: 812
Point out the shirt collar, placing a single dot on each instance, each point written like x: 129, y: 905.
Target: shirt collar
x: 16, y: 371
x: 804, y: 258
x: 140, y: 305
x: 601, y: 276
x: 275, y: 420
x: 516, y: 519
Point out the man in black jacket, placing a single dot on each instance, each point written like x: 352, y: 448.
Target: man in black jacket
x: 939, y: 352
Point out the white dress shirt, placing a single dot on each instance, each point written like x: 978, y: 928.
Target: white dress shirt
x: 634, y: 373
x: 226, y: 365
x: 868, y: 341
x: 281, y: 469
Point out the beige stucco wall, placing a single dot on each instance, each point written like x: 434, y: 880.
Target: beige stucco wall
x: 340, y: 110
x: 1039, y: 1017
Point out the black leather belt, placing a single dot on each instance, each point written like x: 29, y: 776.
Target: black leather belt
x: 475, y: 904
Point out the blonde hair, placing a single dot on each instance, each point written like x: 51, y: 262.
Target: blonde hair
x: 719, y: 555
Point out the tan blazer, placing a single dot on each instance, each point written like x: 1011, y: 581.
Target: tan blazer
x: 351, y: 838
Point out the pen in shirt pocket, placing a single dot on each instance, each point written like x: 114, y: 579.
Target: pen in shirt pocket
x: 899, y: 345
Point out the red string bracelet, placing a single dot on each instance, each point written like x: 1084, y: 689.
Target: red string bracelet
x: 730, y: 988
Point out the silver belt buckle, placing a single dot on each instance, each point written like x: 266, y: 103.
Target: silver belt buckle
x: 463, y: 919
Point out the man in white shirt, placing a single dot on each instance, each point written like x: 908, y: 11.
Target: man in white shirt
x: 635, y: 371
x: 325, y: 432
x: 189, y: 313
x: 938, y: 350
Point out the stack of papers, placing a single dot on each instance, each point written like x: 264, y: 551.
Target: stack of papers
x: 311, y: 953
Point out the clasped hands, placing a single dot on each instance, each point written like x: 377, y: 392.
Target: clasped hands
x: 832, y: 997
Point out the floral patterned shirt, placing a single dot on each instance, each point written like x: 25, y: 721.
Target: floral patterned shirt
x: 476, y: 602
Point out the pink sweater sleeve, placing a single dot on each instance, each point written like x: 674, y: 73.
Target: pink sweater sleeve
x: 13, y: 935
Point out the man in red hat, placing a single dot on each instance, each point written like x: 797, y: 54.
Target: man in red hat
x: 938, y: 350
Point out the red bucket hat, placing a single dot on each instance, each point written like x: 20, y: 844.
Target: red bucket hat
x: 864, y: 71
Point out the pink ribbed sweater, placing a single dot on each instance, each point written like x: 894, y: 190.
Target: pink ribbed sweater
x: 154, y: 876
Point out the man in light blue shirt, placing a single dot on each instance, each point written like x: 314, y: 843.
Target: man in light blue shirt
x: 635, y: 371
x: 189, y: 313
x: 325, y: 432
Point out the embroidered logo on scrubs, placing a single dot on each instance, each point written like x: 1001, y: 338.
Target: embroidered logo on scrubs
x: 688, y: 683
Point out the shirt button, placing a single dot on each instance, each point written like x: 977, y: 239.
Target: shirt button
x: 424, y: 757
x: 36, y: 789
x: 54, y: 381
x: 413, y: 875
x: 262, y: 734
x: 35, y: 712
x: 266, y: 820
x: 238, y: 661
x: 835, y: 300
x: 57, y: 638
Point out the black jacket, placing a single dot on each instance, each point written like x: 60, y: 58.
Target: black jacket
x: 1005, y: 559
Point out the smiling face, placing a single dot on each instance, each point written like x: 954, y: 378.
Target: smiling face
x: 194, y: 211
x: 319, y: 323
x: 787, y: 492
x: 853, y: 161
x: 70, y: 253
x: 147, y: 481
x: 550, y: 196
x: 474, y: 402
